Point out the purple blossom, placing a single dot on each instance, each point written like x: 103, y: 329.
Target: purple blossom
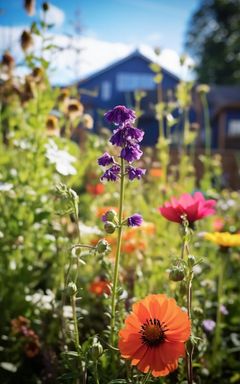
x: 126, y: 135
x: 105, y: 159
x: 104, y: 218
x: 223, y: 310
x: 132, y: 133
x: 131, y: 153
x: 120, y: 114
x: 135, y: 220
x: 118, y: 137
x: 112, y: 173
x: 135, y: 173
x: 209, y: 325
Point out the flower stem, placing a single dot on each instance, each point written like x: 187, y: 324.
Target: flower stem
x: 75, y: 332
x: 145, y: 380
x: 217, y: 337
x: 96, y: 372
x: 185, y: 247
x: 190, y: 345
x: 117, y: 260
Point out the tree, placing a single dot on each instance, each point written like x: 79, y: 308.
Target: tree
x: 213, y: 39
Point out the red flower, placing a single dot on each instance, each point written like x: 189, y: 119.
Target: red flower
x: 97, y: 189
x: 194, y: 207
x: 99, y: 287
x: 154, y: 335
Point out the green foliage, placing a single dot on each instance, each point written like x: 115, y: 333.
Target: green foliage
x: 54, y: 251
x: 213, y: 39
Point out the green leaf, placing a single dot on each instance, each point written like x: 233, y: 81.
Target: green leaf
x: 155, y: 67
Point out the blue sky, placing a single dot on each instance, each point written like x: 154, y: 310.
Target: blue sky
x: 130, y: 23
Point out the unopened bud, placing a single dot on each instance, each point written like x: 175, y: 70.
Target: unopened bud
x: 103, y: 246
x: 110, y: 215
x: 45, y: 6
x: 109, y: 227
x: 176, y: 273
x: 198, y: 312
x: 183, y: 288
x: 96, y: 350
x: 191, y: 260
x: 72, y: 289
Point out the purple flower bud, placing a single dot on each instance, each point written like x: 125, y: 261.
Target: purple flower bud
x: 120, y: 114
x: 105, y: 159
x: 135, y: 220
x: 135, y: 173
x: 209, y: 325
x: 112, y: 173
x: 131, y: 153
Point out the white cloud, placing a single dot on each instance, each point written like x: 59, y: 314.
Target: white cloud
x: 81, y: 56
x: 54, y: 15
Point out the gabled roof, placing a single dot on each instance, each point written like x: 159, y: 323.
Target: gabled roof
x: 134, y: 54
x: 224, y: 96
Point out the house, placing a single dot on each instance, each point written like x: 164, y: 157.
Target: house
x: 224, y: 113
x: 116, y: 84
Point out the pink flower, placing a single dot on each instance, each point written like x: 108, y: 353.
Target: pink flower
x: 194, y: 207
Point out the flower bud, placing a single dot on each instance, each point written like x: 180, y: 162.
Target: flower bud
x: 103, y: 246
x: 183, y: 288
x: 72, y: 289
x: 191, y: 260
x: 45, y: 6
x: 110, y: 215
x: 198, y: 312
x: 96, y: 350
x: 176, y: 273
x: 26, y: 40
x: 109, y: 227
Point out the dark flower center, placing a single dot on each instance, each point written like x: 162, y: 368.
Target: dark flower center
x: 152, y: 332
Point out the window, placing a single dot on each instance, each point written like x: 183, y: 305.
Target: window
x: 106, y: 90
x: 234, y: 127
x: 127, y: 81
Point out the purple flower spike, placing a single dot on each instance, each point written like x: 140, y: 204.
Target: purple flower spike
x: 135, y: 220
x: 209, y: 325
x: 131, y: 153
x: 120, y: 114
x: 111, y: 174
x: 105, y: 159
x: 135, y: 173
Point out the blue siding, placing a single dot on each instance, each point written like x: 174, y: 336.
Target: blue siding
x: 136, y: 64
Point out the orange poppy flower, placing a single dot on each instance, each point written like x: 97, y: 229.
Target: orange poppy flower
x: 99, y: 287
x: 154, y: 335
x: 156, y: 172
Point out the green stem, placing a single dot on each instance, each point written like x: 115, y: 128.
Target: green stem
x: 79, y: 234
x: 190, y: 345
x: 96, y: 372
x: 146, y: 378
x: 185, y: 247
x: 206, y: 124
x: 117, y: 260
x: 217, y: 337
x: 76, y: 333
